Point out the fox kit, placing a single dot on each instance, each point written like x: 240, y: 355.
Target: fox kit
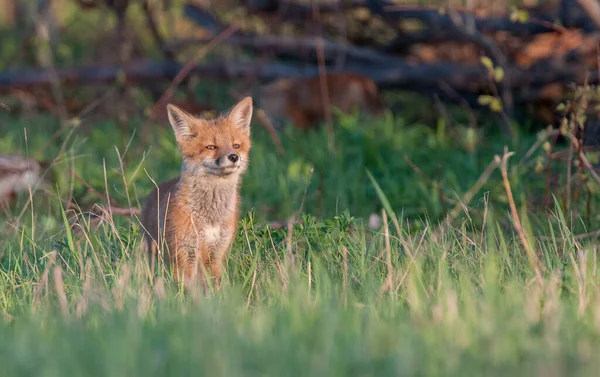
x: 300, y: 99
x: 197, y: 213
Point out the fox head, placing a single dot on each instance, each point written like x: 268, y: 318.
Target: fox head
x: 213, y: 147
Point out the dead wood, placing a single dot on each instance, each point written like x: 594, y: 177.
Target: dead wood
x: 296, y: 47
x: 472, y: 78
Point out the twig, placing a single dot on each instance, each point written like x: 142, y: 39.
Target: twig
x: 388, y: 283
x: 45, y: 55
x: 345, y: 274
x: 569, y: 177
x: 592, y: 8
x: 515, y: 214
x: 443, y: 198
x: 583, y: 159
x: 93, y: 190
x: 158, y: 39
x: 59, y: 286
x: 189, y: 66
x: 43, y: 282
x: 320, y: 49
x: 468, y: 196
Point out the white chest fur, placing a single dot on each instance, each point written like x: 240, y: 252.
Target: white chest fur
x: 212, y: 234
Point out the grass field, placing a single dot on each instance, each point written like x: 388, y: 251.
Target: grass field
x: 332, y: 298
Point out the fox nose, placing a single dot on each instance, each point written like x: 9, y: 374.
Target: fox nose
x: 233, y: 157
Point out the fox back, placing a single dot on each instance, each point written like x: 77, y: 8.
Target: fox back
x: 195, y: 215
x: 300, y: 100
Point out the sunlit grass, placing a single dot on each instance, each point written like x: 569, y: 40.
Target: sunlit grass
x: 333, y: 296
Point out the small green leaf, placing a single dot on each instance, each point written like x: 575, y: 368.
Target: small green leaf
x: 484, y: 99
x: 523, y: 16
x: 496, y: 105
x: 547, y: 147
x: 498, y: 74
x: 520, y: 16
x: 487, y: 62
x: 539, y: 165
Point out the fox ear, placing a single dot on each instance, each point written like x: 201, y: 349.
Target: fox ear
x: 241, y: 115
x: 181, y: 122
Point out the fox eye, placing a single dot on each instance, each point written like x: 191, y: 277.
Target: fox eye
x: 236, y: 146
x: 211, y: 147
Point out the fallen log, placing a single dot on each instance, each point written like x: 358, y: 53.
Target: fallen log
x: 569, y: 12
x: 296, y: 46
x: 280, y: 45
x: 433, y: 18
x: 458, y: 76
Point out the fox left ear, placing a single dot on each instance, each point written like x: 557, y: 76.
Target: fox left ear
x: 181, y: 122
x: 241, y: 115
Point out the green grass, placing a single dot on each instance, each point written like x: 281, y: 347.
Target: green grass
x: 321, y: 301
x: 464, y: 301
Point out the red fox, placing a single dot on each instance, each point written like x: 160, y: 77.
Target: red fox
x: 197, y: 213
x: 300, y: 99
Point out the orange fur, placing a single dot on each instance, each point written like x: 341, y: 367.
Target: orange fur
x: 300, y: 100
x: 197, y: 213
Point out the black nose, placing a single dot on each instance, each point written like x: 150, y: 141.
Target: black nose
x: 233, y: 157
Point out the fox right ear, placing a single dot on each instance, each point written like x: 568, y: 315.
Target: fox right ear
x: 181, y: 122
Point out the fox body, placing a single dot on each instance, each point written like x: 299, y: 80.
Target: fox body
x: 301, y: 99
x: 197, y: 213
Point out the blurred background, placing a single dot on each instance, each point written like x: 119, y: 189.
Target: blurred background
x: 420, y: 94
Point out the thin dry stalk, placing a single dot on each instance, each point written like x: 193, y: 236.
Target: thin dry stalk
x: 537, y: 144
x: 345, y: 275
x: 586, y: 163
x: 82, y: 305
x: 320, y: 50
x: 255, y: 269
x: 189, y: 65
x: 123, y: 175
x: 309, y: 278
x: 144, y: 301
x: 569, y: 178
x: 30, y: 192
x: 59, y: 286
x: 468, y: 196
x: 91, y: 189
x: 575, y: 147
x: 580, y: 272
x: 251, y: 289
x: 387, y: 285
x: 43, y: 282
x: 122, y: 284
x: 515, y: 214
x: 44, y: 23
x: 443, y: 198
x: 592, y: 8
x: 288, y: 240
x: 159, y: 288
x: 106, y: 186
x: 325, y: 96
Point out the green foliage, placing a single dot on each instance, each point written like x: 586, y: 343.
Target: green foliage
x: 463, y: 300
x: 463, y: 303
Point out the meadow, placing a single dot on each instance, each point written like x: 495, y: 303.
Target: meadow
x: 403, y: 251
x: 329, y: 296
